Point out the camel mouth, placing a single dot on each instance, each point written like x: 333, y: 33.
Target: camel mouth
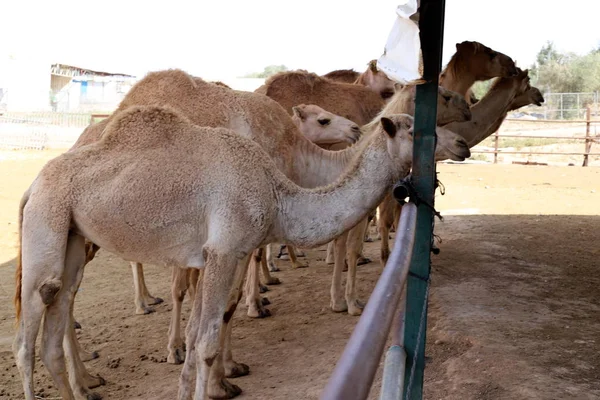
x: 459, y: 152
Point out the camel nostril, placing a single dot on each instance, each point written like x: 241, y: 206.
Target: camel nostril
x: 355, y: 128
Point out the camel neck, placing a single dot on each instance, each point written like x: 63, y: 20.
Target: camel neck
x: 308, y: 218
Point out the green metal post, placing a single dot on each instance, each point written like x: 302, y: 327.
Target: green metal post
x: 431, y: 26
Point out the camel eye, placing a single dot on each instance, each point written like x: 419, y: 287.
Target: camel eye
x: 324, y: 121
x: 447, y: 98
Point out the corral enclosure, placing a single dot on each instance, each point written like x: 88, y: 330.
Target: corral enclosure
x: 514, y: 309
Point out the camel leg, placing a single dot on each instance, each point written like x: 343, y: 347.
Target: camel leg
x: 253, y: 300
x: 187, y: 376
x: 176, y: 346
x: 294, y: 259
x: 143, y: 300
x: 338, y: 303
x: 57, y: 318
x: 355, y: 241
x: 386, y: 218
x: 269, y: 280
x: 330, y: 258
x: 270, y: 261
x: 233, y: 369
x: 371, y: 217
x: 222, y: 270
x: 80, y: 379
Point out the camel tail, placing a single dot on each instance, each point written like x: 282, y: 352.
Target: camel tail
x: 19, y: 271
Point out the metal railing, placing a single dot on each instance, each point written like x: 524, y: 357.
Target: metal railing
x: 354, y: 373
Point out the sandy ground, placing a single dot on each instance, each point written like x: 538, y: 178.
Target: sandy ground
x: 514, y: 309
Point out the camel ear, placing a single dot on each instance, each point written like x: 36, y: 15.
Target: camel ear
x: 388, y: 126
x: 373, y: 66
x: 299, y: 112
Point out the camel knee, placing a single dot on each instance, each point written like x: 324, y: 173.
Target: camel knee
x: 49, y: 290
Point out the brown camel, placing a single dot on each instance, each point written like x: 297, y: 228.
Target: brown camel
x: 473, y: 62
x: 372, y: 78
x: 245, y: 202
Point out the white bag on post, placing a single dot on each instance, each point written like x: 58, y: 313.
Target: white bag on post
x: 400, y: 60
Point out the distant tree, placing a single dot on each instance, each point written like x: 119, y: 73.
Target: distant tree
x: 268, y: 71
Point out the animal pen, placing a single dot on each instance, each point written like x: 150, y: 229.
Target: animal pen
x: 398, y: 304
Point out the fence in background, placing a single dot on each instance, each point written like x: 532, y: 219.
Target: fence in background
x: 42, y: 130
x: 588, y: 139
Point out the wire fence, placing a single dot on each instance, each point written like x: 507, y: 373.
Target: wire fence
x: 563, y: 106
x: 42, y: 130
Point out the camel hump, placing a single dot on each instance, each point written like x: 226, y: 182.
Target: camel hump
x: 153, y: 87
x: 144, y: 127
x: 288, y: 80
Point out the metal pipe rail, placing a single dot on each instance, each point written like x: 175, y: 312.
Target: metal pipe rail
x: 354, y: 373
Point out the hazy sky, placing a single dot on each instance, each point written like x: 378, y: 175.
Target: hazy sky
x: 222, y: 39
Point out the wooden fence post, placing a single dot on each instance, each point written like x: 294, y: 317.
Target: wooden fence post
x: 588, y: 139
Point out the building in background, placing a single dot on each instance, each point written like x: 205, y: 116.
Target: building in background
x: 75, y: 89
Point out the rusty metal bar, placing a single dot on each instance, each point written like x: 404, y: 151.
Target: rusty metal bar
x: 354, y: 373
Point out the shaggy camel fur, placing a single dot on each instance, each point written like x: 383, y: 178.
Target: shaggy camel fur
x: 141, y: 206
x: 474, y: 62
x: 372, y: 78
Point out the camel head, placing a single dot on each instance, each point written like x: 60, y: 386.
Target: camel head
x: 378, y: 81
x: 527, y: 94
x: 322, y: 127
x: 399, y: 130
x: 452, y: 107
x: 484, y: 62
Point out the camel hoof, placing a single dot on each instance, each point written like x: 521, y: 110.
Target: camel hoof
x: 263, y: 288
x: 96, y: 381
x: 89, y: 356
x: 264, y: 301
x: 273, y: 281
x: 363, y: 260
x: 93, y: 396
x: 355, y: 307
x: 176, y: 357
x: 368, y: 240
x: 239, y: 369
x: 77, y: 325
x: 339, y: 305
x: 284, y: 257
x: 225, y: 390
x: 300, y: 253
x: 148, y: 310
x: 154, y: 301
x: 273, y: 267
x: 300, y: 265
x: 264, y: 313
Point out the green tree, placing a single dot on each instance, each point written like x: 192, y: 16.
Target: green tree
x: 268, y: 71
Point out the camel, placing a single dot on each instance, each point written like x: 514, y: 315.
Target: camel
x: 290, y: 88
x: 473, y: 62
x: 505, y: 94
x: 487, y: 114
x: 372, y: 78
x: 228, y: 185
x: 252, y: 115
x: 342, y: 75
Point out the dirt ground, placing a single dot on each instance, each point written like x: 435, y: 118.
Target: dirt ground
x: 514, y: 308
